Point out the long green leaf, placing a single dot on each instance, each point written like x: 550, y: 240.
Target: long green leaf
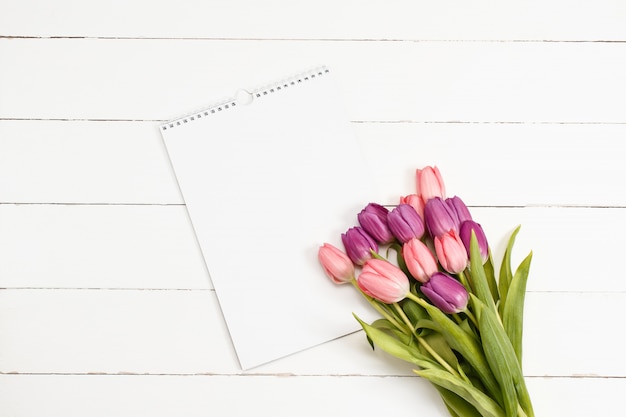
x: 468, y: 346
x: 438, y: 343
x: 384, y: 324
x: 478, y: 280
x: 394, y: 347
x: 513, y: 314
x: 502, y: 360
x: 491, y: 278
x: 506, y: 274
x: 456, y: 405
x: 481, y: 401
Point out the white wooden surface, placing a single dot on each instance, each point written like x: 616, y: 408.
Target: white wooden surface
x: 106, y: 307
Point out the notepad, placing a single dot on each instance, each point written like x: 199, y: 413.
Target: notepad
x: 267, y: 177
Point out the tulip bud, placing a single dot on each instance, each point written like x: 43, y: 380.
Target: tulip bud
x: 446, y: 293
x: 440, y: 217
x: 419, y: 260
x: 459, y: 207
x: 466, y: 234
x: 358, y: 244
x: 451, y: 252
x: 336, y: 264
x: 414, y: 201
x: 405, y: 223
x: 373, y: 219
x: 383, y: 281
x: 429, y: 183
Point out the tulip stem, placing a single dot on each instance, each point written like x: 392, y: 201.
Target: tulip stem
x: 378, y: 307
x: 471, y: 317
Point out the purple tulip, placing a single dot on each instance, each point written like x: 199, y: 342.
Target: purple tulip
x: 466, y: 234
x: 446, y: 293
x: 358, y: 244
x: 440, y: 217
x: 405, y: 223
x: 459, y: 207
x: 373, y: 219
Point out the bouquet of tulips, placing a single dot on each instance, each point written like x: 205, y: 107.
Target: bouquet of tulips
x: 427, y: 268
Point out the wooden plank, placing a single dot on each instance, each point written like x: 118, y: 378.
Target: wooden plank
x: 182, y: 332
x: 153, y: 247
x: 99, y: 246
x: 503, y: 164
x: 325, y: 19
x: 506, y: 164
x: 408, y: 81
x: 132, y: 395
x: 84, y: 162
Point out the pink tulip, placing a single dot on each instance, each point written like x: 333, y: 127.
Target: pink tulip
x: 451, y: 252
x: 429, y: 183
x: 419, y: 260
x: 414, y: 201
x: 336, y: 264
x: 383, y: 281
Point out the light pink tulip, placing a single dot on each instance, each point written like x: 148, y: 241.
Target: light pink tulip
x: 336, y: 264
x: 383, y: 281
x: 451, y: 252
x: 419, y: 260
x: 429, y: 183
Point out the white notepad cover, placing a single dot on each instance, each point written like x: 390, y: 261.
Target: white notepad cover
x: 265, y: 184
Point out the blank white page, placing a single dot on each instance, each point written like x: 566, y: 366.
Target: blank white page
x: 265, y: 184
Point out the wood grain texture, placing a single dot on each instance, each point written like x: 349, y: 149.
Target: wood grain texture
x: 106, y: 305
x: 325, y: 19
x: 147, y: 79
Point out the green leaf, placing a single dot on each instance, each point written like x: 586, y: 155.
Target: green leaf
x: 491, y: 278
x: 506, y: 275
x: 386, y: 325
x: 438, y: 343
x: 481, y: 401
x: 394, y: 347
x: 466, y: 344
x: 478, y: 280
x: 513, y: 314
x: 413, y: 311
x: 456, y: 405
x: 502, y: 359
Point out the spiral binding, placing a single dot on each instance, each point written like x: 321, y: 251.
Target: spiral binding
x: 256, y: 94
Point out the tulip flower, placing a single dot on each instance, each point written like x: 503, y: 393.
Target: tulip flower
x: 405, y: 223
x: 446, y: 293
x: 373, y: 219
x: 414, y: 201
x: 383, y: 281
x: 440, y: 217
x: 466, y: 234
x: 459, y: 207
x: 429, y: 183
x: 419, y: 260
x: 358, y: 244
x: 337, y: 265
x: 451, y: 252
